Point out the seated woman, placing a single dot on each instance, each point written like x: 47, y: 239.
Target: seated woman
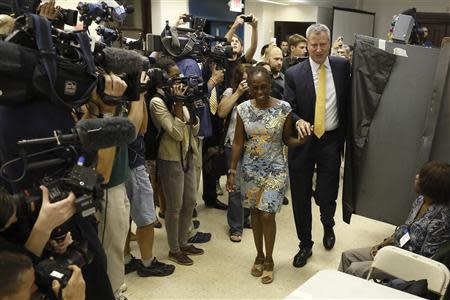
x: 426, y: 228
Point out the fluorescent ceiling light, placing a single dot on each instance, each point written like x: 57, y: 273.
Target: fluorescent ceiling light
x: 273, y: 2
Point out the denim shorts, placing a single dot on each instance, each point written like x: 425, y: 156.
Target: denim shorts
x: 140, y: 193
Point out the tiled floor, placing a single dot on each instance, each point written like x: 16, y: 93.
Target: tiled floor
x: 223, y: 272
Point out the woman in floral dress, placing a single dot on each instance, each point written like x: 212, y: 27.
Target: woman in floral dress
x: 263, y: 125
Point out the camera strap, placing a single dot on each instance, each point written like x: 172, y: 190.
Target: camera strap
x: 173, y: 42
x: 48, y: 59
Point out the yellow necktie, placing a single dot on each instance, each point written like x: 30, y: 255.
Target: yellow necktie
x: 319, y: 116
x: 213, y: 101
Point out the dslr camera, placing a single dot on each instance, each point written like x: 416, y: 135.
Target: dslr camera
x: 56, y: 268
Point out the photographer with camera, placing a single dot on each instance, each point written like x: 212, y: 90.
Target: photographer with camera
x: 16, y: 269
x: 172, y: 112
x: 142, y: 207
x: 238, y: 47
x: 113, y: 165
x: 18, y: 280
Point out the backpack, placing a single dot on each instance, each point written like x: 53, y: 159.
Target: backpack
x: 152, y: 137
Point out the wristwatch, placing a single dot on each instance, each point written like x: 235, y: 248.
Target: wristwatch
x: 232, y: 171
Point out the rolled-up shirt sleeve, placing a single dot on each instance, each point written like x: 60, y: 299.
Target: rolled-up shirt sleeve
x: 164, y: 119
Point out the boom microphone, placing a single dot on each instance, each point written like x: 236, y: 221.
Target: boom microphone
x: 119, y: 61
x: 93, y: 134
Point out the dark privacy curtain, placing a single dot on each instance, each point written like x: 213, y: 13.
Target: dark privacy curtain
x: 370, y: 73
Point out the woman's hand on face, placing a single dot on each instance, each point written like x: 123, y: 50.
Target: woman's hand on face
x: 231, y: 183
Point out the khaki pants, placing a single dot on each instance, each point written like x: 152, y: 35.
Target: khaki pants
x: 357, y: 262
x: 113, y: 231
x: 180, y: 191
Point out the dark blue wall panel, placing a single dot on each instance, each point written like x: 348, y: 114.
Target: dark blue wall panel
x: 218, y: 13
x: 213, y: 10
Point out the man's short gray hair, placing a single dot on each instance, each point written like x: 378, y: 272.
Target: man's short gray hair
x: 318, y: 28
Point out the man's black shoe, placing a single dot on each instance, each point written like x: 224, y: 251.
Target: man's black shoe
x: 133, y: 265
x: 217, y: 204
x: 285, y: 201
x: 328, y: 237
x: 301, y: 257
x: 156, y: 268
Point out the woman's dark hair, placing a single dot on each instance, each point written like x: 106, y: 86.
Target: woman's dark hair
x: 238, y: 75
x: 7, y: 208
x: 158, y: 75
x: 253, y: 71
x: 165, y: 63
x: 434, y: 181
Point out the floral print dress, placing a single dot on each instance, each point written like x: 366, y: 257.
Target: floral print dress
x: 263, y: 173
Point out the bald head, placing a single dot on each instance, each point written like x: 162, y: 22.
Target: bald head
x: 274, y: 57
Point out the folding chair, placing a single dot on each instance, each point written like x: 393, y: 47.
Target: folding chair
x: 407, y: 265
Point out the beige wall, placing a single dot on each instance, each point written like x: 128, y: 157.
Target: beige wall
x: 267, y: 14
x: 163, y: 10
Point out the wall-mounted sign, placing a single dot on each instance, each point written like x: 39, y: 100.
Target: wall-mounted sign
x: 236, y: 5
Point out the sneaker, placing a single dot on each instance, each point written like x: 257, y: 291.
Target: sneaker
x: 191, y: 250
x: 196, y: 224
x: 133, y: 265
x: 156, y: 268
x: 200, y: 238
x: 219, y: 190
x: 180, y: 258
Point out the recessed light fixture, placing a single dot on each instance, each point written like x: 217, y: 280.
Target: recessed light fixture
x: 273, y: 2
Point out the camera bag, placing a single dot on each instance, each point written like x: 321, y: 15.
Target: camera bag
x: 17, y: 65
x: 65, y: 81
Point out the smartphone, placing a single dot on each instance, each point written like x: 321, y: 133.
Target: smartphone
x: 247, y: 19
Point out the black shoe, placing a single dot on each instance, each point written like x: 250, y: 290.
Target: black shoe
x: 217, y: 204
x: 161, y: 215
x: 328, y: 237
x: 200, y: 238
x: 285, y: 201
x: 301, y: 257
x: 196, y: 224
x: 194, y: 213
x: 156, y: 268
x: 133, y: 265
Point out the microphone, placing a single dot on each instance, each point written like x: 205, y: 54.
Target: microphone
x: 93, y: 134
x: 119, y: 61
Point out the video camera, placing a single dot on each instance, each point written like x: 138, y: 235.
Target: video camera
x: 196, y: 89
x: 105, y: 11
x: 73, y: 83
x: 19, y: 7
x: 190, y: 42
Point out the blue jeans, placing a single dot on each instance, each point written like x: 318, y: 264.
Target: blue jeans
x: 237, y: 215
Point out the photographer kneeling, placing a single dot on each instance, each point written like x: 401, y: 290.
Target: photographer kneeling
x: 17, y: 273
x: 175, y: 163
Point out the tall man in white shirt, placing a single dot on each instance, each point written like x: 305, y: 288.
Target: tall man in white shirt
x: 318, y: 91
